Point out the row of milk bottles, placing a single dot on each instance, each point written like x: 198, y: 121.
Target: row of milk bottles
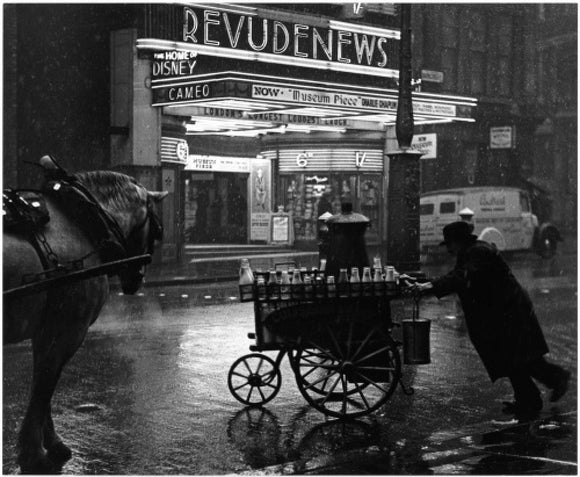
x: 317, y: 280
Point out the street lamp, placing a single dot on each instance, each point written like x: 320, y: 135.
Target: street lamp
x: 404, y: 124
x: 403, y: 189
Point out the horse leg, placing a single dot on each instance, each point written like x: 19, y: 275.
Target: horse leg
x: 57, y: 451
x: 40, y: 448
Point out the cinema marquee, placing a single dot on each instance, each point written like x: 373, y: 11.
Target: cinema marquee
x: 252, y: 34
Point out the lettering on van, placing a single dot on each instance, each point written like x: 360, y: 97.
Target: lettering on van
x: 492, y: 200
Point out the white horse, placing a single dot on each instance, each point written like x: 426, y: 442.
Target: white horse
x: 57, y: 320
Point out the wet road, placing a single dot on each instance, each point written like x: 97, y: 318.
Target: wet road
x: 147, y: 394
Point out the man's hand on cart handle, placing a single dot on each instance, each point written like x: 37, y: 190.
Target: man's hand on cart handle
x: 418, y: 289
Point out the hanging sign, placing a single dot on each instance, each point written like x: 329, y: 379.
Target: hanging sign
x: 426, y: 144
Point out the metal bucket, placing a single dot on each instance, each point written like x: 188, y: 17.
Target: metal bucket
x: 416, y: 349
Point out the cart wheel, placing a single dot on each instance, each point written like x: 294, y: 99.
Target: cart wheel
x: 315, y: 364
x: 347, y: 372
x: 254, y: 379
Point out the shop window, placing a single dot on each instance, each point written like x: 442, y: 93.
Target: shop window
x: 308, y: 196
x: 426, y: 209
x: 447, y: 207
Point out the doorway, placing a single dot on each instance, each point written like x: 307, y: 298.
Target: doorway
x: 216, y: 208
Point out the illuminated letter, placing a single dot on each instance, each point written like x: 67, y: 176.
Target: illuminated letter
x: 297, y: 35
x: 317, y: 39
x: 277, y: 25
x: 189, y: 33
x: 234, y: 40
x: 361, y: 46
x: 341, y: 41
x: 251, y: 34
x: 207, y: 20
x: 383, y: 62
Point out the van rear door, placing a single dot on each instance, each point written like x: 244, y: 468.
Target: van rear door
x: 529, y: 221
x: 436, y: 212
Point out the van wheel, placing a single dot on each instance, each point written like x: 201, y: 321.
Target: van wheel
x: 548, y: 246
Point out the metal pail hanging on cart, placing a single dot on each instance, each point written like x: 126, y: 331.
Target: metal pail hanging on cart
x: 416, y: 346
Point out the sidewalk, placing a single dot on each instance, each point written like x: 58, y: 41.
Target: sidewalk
x: 214, y: 268
x: 193, y: 271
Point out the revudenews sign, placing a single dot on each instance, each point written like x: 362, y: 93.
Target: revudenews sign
x: 254, y: 34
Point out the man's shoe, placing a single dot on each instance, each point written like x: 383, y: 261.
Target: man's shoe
x: 561, y: 386
x: 521, y: 416
x: 512, y: 407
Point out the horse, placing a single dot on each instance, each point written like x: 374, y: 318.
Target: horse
x: 57, y: 320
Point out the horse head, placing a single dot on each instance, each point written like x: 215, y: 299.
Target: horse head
x: 141, y: 240
x: 132, y: 207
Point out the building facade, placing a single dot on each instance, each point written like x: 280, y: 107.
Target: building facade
x: 242, y: 111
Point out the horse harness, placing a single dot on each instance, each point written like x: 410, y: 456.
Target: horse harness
x: 25, y: 213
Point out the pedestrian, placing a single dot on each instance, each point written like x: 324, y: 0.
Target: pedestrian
x: 500, y: 320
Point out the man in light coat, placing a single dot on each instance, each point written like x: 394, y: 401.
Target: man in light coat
x: 500, y: 320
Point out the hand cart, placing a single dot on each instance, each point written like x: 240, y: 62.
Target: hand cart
x: 338, y: 341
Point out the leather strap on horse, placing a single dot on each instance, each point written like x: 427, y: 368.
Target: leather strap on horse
x: 22, y: 218
x: 81, y: 206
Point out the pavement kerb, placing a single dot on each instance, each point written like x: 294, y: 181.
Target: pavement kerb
x: 234, y: 278
x: 319, y: 464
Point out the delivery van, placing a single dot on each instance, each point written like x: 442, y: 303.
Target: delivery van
x: 500, y: 215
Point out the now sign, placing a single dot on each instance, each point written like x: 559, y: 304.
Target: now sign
x: 426, y: 144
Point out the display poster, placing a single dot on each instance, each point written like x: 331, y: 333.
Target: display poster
x: 260, y: 226
x: 260, y: 185
x: 280, y: 229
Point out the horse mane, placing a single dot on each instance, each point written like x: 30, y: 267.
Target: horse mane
x: 115, y: 191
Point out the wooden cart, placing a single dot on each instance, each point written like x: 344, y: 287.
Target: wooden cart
x: 338, y: 342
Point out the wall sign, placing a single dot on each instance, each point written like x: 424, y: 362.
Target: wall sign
x: 174, y: 150
x: 432, y: 76
x: 198, y: 162
x: 502, y: 137
x: 338, y: 159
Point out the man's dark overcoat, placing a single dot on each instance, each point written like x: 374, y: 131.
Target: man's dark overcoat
x: 499, y: 314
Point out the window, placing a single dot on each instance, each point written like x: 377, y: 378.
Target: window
x: 477, y: 48
x: 447, y: 208
x: 524, y: 202
x: 426, y: 209
x: 449, y: 43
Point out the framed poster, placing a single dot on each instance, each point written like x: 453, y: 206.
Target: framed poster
x: 280, y: 229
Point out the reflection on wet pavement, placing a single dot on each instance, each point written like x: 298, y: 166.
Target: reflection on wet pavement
x: 147, y: 394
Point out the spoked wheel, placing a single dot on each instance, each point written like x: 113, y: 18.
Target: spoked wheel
x: 347, y: 372
x: 315, y: 365
x: 254, y: 379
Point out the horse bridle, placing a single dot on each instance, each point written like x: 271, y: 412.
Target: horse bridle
x: 155, y: 227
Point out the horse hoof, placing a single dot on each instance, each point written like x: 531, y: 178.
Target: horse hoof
x: 38, y: 465
x: 59, y: 453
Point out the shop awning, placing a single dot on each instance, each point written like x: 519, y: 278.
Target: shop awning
x: 237, y: 103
